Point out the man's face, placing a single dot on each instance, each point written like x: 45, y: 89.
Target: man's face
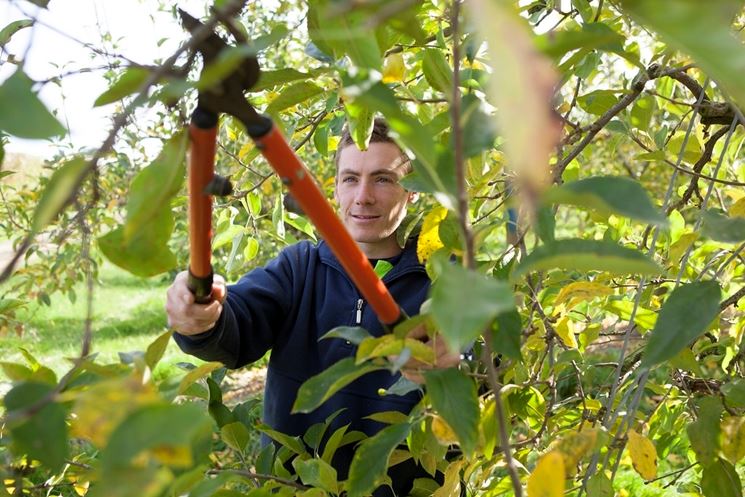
x: 371, y: 201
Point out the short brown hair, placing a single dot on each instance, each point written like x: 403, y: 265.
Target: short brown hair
x: 379, y: 135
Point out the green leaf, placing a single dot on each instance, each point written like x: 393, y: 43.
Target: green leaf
x: 592, y: 36
x: 209, y: 487
x: 236, y: 435
x: 292, y: 443
x: 702, y: 31
x: 316, y: 390
x: 146, y: 253
x: 704, y: 432
x: 12, y: 28
x: 479, y: 131
x: 344, y: 33
x: 609, y: 195
x: 645, y: 318
x: 254, y: 204
x: 317, y: 473
x: 16, y: 372
x: 58, y: 192
x: 360, y: 120
x: 464, y: 302
x: 598, y: 102
x: 720, y: 479
x: 453, y: 395
x: 370, y: 460
x: 22, y: 113
x: 354, y: 334
x: 734, y: 393
x: 41, y: 434
x: 321, y: 139
x: 684, y: 316
x: 546, y: 224
x: 127, y: 83
x: 251, y: 250
x: 270, y: 79
x: 722, y: 228
x: 642, y: 112
x: 586, y: 255
x: 437, y: 71
x: 157, y: 348
x: 159, y: 427
x: 261, y: 43
x: 505, y: 337
x: 154, y: 187
x: 584, y: 9
x: 197, y: 374
x: 333, y: 443
x: 292, y: 95
x: 600, y: 486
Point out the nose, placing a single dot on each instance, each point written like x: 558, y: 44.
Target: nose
x: 364, y: 194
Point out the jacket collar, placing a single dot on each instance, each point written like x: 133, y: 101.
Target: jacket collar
x: 408, y: 257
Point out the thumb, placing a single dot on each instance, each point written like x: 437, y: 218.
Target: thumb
x: 219, y: 290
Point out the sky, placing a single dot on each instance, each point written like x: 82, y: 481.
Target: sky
x: 135, y: 28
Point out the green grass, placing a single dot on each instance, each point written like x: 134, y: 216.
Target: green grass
x: 128, y: 315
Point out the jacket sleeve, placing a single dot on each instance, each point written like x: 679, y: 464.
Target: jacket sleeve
x: 255, y: 312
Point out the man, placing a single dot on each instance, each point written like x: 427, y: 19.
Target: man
x: 303, y: 293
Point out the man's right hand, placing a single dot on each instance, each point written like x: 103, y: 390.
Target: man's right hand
x: 187, y: 317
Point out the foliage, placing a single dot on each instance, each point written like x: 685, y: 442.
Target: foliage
x: 614, y: 306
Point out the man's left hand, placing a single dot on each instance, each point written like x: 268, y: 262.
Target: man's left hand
x: 414, y: 369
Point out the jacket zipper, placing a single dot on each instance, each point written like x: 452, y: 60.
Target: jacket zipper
x: 360, y: 302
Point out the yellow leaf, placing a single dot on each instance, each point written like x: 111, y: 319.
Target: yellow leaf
x: 733, y: 438
x: 196, y: 374
x: 565, y: 329
x: 738, y: 208
x: 394, y: 68
x: 643, y: 455
x: 267, y: 187
x: 81, y: 488
x: 245, y: 149
x: 103, y: 406
x: 582, y: 290
x: 451, y: 487
x: 575, y: 445
x: 177, y: 456
x: 547, y: 479
x: 429, y: 238
x: 678, y: 248
x: 442, y: 431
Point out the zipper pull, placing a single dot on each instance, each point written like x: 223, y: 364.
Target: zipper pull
x: 359, y: 311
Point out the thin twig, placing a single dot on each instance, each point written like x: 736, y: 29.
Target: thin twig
x: 259, y: 476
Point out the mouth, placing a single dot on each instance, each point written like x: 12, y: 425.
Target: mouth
x: 364, y: 217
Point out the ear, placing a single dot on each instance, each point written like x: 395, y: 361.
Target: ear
x: 413, y: 197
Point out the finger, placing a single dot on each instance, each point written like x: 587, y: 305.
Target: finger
x: 413, y: 376
x: 219, y: 290
x: 418, y: 332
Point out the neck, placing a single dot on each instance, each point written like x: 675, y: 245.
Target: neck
x: 380, y: 250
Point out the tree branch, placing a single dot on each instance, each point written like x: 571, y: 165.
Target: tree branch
x: 636, y: 88
x: 733, y: 299
x: 700, y: 163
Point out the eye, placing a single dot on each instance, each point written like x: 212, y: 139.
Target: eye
x: 349, y: 179
x: 384, y: 179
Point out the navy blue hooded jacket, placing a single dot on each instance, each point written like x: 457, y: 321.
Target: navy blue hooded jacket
x: 287, y: 306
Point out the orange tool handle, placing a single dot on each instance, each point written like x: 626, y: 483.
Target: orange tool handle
x: 203, y: 137
x: 298, y: 179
